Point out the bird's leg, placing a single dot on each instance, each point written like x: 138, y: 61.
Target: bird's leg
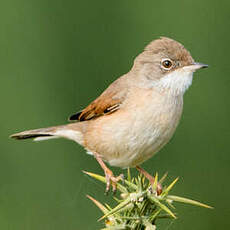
x: 150, y: 178
x: 111, y: 180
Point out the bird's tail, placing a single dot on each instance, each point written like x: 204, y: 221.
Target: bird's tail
x: 66, y: 131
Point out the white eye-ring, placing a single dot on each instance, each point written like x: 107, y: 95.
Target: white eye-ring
x: 166, y: 64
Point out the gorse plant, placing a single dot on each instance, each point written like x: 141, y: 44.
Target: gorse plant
x: 139, y: 206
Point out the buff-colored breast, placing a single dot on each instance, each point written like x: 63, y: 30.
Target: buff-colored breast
x: 132, y: 135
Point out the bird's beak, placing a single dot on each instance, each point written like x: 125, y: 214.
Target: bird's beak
x: 198, y: 65
x: 195, y: 66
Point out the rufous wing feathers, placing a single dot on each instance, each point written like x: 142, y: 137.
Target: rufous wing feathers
x: 108, y: 102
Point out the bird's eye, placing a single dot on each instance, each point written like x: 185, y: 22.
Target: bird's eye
x: 166, y: 64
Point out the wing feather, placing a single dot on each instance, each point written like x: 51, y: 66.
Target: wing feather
x: 108, y: 102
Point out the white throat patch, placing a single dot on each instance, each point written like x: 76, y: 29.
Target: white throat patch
x: 177, y: 82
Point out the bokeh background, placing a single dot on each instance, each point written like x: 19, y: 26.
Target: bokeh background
x: 56, y: 56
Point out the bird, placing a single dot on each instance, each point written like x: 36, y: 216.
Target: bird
x: 136, y: 115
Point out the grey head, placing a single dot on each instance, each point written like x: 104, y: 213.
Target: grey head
x: 166, y: 62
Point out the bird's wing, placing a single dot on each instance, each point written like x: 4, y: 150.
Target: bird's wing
x: 108, y: 102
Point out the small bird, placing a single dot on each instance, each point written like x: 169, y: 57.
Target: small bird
x: 136, y: 115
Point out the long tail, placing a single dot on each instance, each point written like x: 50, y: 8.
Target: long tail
x: 67, y: 131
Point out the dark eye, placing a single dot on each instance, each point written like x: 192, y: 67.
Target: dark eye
x: 166, y: 63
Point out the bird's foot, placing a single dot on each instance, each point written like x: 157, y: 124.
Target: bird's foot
x: 151, y: 179
x: 111, y: 180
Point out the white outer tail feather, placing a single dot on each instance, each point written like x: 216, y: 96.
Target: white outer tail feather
x: 45, y: 138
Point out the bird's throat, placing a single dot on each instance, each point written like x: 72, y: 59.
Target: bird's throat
x: 176, y: 82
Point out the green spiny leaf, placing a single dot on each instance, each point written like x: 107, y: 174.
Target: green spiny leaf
x: 166, y: 191
x: 98, y: 204
x: 120, y: 187
x: 162, y: 206
x: 117, y: 208
x: 108, y: 207
x: 163, y: 178
x: 163, y: 216
x: 188, y: 201
x: 155, y: 215
x: 155, y: 182
x: 129, y: 175
x: 169, y: 202
x: 137, y: 208
x: 131, y: 185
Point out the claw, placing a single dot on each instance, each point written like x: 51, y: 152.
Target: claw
x: 159, y: 189
x: 111, y: 180
x: 151, y: 179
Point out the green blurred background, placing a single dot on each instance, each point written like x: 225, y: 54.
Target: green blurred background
x: 57, y: 56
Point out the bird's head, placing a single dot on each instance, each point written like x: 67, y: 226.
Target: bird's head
x: 167, y: 65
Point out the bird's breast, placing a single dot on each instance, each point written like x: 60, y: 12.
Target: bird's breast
x: 139, y: 129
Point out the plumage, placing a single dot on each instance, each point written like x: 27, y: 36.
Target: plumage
x: 138, y: 113
x: 107, y: 103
